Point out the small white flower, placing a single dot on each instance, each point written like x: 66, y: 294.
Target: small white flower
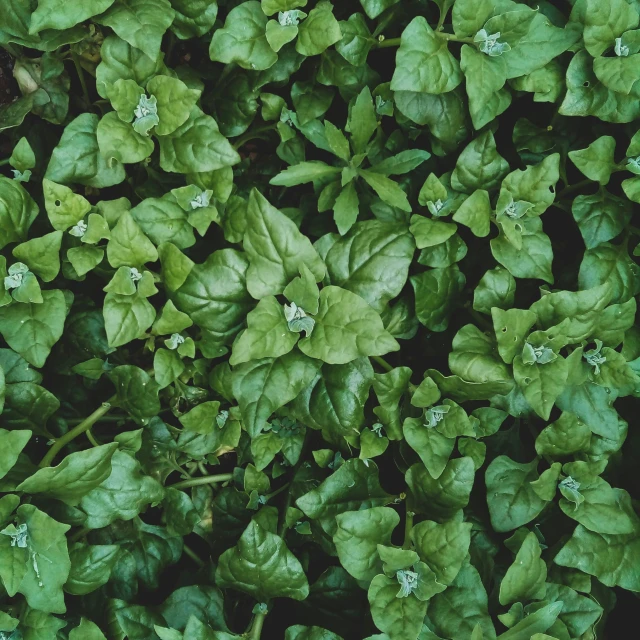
x: 408, y: 581
x: 435, y: 207
x: 435, y: 415
x: 594, y: 358
x: 633, y: 165
x: 286, y: 116
x: 289, y: 18
x: 489, y: 43
x: 221, y: 418
x: 297, y: 320
x: 538, y: 355
x: 134, y: 274
x: 622, y: 50
x: 21, y: 176
x: 17, y: 272
x: 19, y: 536
x: 377, y: 429
x: 79, y: 229
x: 201, y: 200
x: 174, y: 341
x: 146, y: 114
x: 570, y: 483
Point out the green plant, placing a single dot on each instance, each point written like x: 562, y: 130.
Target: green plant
x: 317, y: 321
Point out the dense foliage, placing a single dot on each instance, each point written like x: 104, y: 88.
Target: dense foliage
x: 317, y: 320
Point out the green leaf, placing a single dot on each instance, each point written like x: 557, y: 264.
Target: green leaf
x: 388, y: 190
x: 261, y: 387
x: 511, y: 499
x: 533, y: 259
x: 214, y: 295
x: 242, y: 39
x: 267, y: 334
x: 91, y: 567
x: 424, y: 63
x: 298, y: 632
x: 319, y: 31
x: 61, y: 14
x: 47, y: 545
x: 486, y: 78
x: 600, y: 217
x: 122, y: 496
x: 612, y: 559
x: 33, y: 329
x: 74, y: 477
x: 398, y: 617
x: 456, y: 612
x: 128, y: 245
x: 443, y: 547
x: 13, y: 442
x: 136, y: 392
x: 602, y: 24
x: 346, y: 328
x: 525, y: 578
x: 334, y: 400
x: 142, y: 23
x: 479, y: 166
x: 77, y: 157
x: 362, y: 121
x: 541, y: 384
x: 276, y: 249
x: 353, y: 487
x: 357, y: 538
x: 196, y: 146
x: 118, y: 140
x: 535, y: 623
x: 436, y: 291
x: 262, y: 566
x: 303, y: 173
x: 356, y: 40
x: 86, y: 630
x: 372, y: 260
x: 175, y: 102
x: 511, y: 328
x: 596, y: 161
x: 610, y: 263
x: 440, y: 498
x: 429, y: 233
x: 41, y: 255
x: 17, y: 212
x: 390, y: 388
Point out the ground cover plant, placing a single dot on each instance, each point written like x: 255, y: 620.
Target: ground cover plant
x: 317, y: 321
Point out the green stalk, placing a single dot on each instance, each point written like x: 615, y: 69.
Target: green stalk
x: 80, y: 72
x: 196, y: 482
x: 574, y: 187
x: 256, y: 627
x: 4, y: 162
x: 388, y: 42
x: 85, y: 425
x: 382, y: 362
x: 193, y: 555
x: 250, y: 135
x: 408, y: 525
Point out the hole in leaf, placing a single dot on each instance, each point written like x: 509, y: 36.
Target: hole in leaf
x: 586, y: 83
x: 57, y: 203
x: 527, y: 380
x: 504, y: 329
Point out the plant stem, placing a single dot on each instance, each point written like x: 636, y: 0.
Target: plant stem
x: 196, y: 482
x: 388, y: 42
x: 450, y: 37
x: 250, y: 135
x: 80, y: 72
x: 574, y: 187
x: 193, y: 555
x: 273, y: 494
x: 85, y: 425
x: 79, y: 534
x: 91, y: 438
x: 256, y: 627
x: 4, y: 162
x: 408, y: 525
x: 382, y: 362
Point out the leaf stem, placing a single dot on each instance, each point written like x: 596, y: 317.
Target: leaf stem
x: 196, y: 482
x: 273, y: 494
x: 408, y: 526
x: 388, y: 42
x: 91, y: 438
x: 574, y: 187
x: 4, y: 161
x: 78, y: 535
x: 382, y: 362
x: 250, y: 135
x: 85, y: 425
x: 256, y: 627
x: 80, y: 72
x: 194, y: 556
x: 450, y: 37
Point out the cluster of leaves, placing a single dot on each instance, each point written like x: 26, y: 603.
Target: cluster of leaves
x: 313, y: 325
